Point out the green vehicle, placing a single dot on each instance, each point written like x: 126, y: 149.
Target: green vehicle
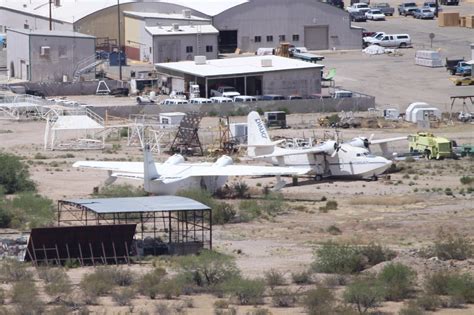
x: 430, y: 146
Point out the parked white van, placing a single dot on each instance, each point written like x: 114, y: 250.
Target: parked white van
x: 174, y: 101
x: 200, y: 100
x: 221, y: 99
x: 244, y: 98
x: 342, y: 94
x: 392, y: 40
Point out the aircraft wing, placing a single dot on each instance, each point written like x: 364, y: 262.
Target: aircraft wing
x: 380, y: 141
x: 127, y: 167
x: 234, y: 170
x: 324, y: 148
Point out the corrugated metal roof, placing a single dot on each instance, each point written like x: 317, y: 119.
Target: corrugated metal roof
x: 209, y: 7
x: 233, y: 66
x: 183, y: 30
x: 139, y: 204
x: 164, y: 16
x: 50, y: 33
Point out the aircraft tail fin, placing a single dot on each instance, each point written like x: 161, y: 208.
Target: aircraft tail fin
x: 149, y: 169
x: 258, y: 140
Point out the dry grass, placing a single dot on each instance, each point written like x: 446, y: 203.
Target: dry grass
x: 385, y: 200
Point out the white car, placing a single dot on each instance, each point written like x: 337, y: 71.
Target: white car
x: 377, y: 35
x: 200, y: 100
x: 244, y: 98
x: 220, y: 99
x: 375, y: 15
x: 174, y: 101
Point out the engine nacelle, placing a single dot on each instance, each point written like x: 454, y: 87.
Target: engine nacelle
x: 359, y: 142
x: 174, y: 160
x: 223, y: 161
x: 329, y: 147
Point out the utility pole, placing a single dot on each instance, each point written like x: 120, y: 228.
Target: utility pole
x: 50, y: 15
x: 119, y: 41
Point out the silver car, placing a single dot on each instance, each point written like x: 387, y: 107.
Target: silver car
x: 423, y: 13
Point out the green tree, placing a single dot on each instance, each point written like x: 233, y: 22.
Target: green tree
x: 14, y: 175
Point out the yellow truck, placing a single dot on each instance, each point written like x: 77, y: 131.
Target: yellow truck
x: 430, y: 146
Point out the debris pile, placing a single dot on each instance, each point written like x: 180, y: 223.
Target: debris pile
x: 13, y: 247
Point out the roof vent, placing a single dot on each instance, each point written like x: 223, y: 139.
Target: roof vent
x: 266, y: 62
x: 200, y: 60
x: 175, y: 27
x: 187, y: 14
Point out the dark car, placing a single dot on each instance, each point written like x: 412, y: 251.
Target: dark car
x: 358, y: 17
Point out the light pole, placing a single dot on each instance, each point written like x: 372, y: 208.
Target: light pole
x: 119, y: 41
x: 50, y: 15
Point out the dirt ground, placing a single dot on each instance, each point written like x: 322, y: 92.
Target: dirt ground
x: 402, y: 213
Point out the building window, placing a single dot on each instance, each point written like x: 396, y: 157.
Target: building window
x: 269, y: 38
x: 258, y: 39
x: 62, y: 51
x: 209, y: 48
x: 189, y: 49
x: 296, y: 38
x: 281, y: 38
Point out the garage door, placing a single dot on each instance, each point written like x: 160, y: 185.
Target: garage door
x: 316, y: 37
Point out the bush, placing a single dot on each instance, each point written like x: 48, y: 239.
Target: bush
x: 123, y: 296
x: 333, y: 230
x: 274, y: 278
x: 364, y: 293
x: 223, y: 213
x: 303, y: 277
x: 148, y: 284
x: 169, y: 288
x: 466, y: 180
x: 241, y: 190
x: 411, y: 308
x: 319, y: 301
x: 246, y: 291
x: 96, y: 284
x: 25, y: 295
x: 249, y: 210
x: 283, y: 298
x: 452, y: 246
x: 376, y: 254
x: 120, y: 276
x: 209, y: 268
x: 14, y: 176
x: 330, y: 205
x: 12, y: 270
x: 451, y: 283
x: 120, y: 190
x: 57, y: 283
x: 397, y: 281
x: 259, y: 311
x: 338, y: 258
x: 427, y: 302
x: 31, y: 210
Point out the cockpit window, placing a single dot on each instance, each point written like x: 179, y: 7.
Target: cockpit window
x: 369, y: 155
x: 358, y: 154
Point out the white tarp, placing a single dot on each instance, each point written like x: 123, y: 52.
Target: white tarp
x: 374, y: 50
x: 77, y: 122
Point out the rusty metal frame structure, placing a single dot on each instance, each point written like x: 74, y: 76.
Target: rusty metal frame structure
x: 178, y: 226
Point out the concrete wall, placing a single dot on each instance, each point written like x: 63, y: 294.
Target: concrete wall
x: 287, y: 17
x: 168, y: 48
x: 17, y: 51
x: 302, y: 82
x: 15, y: 19
x: 53, y: 67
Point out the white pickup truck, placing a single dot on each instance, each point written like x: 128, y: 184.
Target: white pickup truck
x: 225, y: 91
x: 358, y: 7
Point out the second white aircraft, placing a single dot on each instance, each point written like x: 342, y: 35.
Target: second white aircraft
x: 328, y: 159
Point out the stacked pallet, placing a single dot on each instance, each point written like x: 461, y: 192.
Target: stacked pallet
x: 448, y: 19
x: 428, y: 58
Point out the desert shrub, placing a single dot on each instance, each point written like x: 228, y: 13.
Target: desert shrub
x: 427, y: 302
x: 223, y: 213
x: 303, y: 277
x: 245, y: 291
x: 376, y: 254
x: 365, y: 293
x: 335, y: 280
x: 273, y: 203
x: 338, y: 258
x: 123, y: 296
x: 466, y: 180
x: 249, y: 210
x: 397, y: 280
x: 283, y: 298
x: 96, y: 284
x: 31, y: 210
x: 209, y: 268
x: 221, y: 304
x: 14, y: 175
x: 57, y: 282
x: 330, y: 205
x: 241, y: 190
x: 319, y: 301
x: 411, y: 308
x: 120, y: 190
x: 169, y: 288
x: 163, y: 309
x: 229, y: 311
x: 120, y: 276
x: 148, y: 284
x: 258, y: 311
x: 333, y: 230
x: 12, y: 270
x: 452, y: 284
x: 25, y: 295
x: 274, y: 278
x: 452, y: 246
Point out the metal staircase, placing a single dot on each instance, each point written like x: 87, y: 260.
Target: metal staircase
x: 86, y: 65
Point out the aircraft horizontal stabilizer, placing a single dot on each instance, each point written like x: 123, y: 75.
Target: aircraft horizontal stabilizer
x: 388, y: 140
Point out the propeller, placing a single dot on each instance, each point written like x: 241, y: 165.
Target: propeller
x: 337, y: 147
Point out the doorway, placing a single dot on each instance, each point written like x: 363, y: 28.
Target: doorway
x: 227, y: 41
